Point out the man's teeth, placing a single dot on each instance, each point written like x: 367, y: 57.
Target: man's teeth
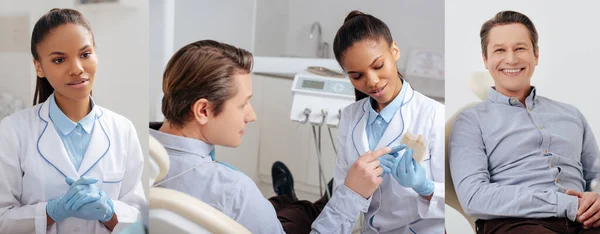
x: 512, y: 70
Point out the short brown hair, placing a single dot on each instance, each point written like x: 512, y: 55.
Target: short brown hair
x: 202, y: 69
x: 508, y: 17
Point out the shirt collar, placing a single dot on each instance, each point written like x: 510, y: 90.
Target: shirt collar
x: 496, y: 97
x: 388, y: 112
x: 64, y: 124
x: 183, y: 144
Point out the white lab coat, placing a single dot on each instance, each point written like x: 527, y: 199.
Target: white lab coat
x: 34, y: 163
x: 394, y: 208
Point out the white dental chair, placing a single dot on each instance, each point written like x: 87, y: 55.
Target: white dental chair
x: 175, y: 212
x: 479, y: 82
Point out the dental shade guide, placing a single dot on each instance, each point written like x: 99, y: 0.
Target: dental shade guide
x: 418, y: 145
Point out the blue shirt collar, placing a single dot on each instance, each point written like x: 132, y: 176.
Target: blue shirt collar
x: 388, y: 112
x: 496, y: 97
x: 183, y: 144
x: 64, y: 124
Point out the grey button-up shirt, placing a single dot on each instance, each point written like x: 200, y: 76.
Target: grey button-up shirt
x: 513, y: 160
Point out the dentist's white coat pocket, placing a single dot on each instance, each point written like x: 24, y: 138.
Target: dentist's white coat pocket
x: 111, y: 183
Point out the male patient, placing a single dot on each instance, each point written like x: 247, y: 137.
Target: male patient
x: 207, y: 89
x: 520, y: 162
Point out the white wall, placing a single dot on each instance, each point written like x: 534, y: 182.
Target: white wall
x: 568, y: 43
x: 414, y: 24
x: 271, y: 27
x: 121, y: 36
x: 229, y: 21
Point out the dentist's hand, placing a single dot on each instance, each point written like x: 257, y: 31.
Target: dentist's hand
x: 101, y: 209
x: 364, y: 176
x: 81, y: 194
x: 56, y: 208
x: 88, y: 202
x: 387, y: 161
x: 410, y: 174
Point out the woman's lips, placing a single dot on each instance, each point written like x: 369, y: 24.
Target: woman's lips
x: 378, y: 92
x: 78, y: 83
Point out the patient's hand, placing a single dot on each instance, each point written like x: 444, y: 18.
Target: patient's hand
x: 588, y: 208
x: 364, y: 176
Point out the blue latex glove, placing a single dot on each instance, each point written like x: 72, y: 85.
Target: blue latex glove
x: 396, y: 149
x: 387, y: 161
x: 56, y: 207
x: 101, y: 209
x: 85, y: 194
x: 410, y: 174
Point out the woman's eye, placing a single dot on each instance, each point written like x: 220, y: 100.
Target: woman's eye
x: 58, y: 60
x: 356, y: 77
x: 86, y: 54
x: 379, y: 67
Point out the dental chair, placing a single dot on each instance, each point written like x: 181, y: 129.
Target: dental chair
x: 479, y: 82
x: 176, y: 212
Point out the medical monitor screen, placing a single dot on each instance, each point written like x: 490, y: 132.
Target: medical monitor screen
x: 311, y: 84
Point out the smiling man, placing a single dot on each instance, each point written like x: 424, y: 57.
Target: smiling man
x: 531, y: 159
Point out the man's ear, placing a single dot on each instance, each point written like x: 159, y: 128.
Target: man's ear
x: 202, y: 110
x: 484, y: 59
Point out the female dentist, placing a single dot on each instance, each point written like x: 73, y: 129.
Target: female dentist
x: 67, y: 165
x: 410, y: 199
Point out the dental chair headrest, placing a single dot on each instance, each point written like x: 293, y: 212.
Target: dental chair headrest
x: 480, y: 83
x: 159, y: 160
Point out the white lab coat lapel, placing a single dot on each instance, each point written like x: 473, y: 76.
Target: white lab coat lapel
x: 51, y: 147
x: 398, y: 124
x: 98, y: 147
x: 359, y: 133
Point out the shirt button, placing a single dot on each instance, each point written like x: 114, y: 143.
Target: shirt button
x: 557, y: 180
x: 528, y: 109
x: 545, y: 151
x: 552, y: 165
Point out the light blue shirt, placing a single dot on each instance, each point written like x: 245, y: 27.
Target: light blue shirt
x: 513, y: 160
x: 217, y: 185
x: 378, y: 122
x: 75, y: 136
